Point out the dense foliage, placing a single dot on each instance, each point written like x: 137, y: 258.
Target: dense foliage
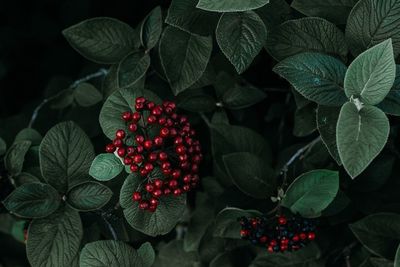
x: 215, y: 133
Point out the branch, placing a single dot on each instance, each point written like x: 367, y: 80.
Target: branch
x: 99, y: 73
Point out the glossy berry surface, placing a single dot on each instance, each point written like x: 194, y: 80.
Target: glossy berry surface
x: 167, y: 159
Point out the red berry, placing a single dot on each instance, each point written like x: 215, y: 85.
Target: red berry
x: 138, y: 158
x: 162, y: 121
x: 254, y: 223
x: 282, y: 220
x: 136, y: 116
x: 134, y: 168
x: 154, y: 201
x: 177, y: 192
x: 137, y: 196
x: 184, y: 165
x: 187, y: 178
x: 143, y: 205
x: 186, y: 187
x: 270, y: 249
x: 173, y: 132
x: 178, y: 140
x: 172, y: 183
x: 244, y: 233
x: 164, y: 132
x: 127, y: 161
x: 157, y: 193
x: 143, y: 172
x: 273, y: 242
x: 156, y: 111
x: 167, y: 191
x: 158, y: 140
x: 311, y: 236
x: 121, y: 152
x: 132, y: 127
x: 148, y: 167
x: 148, y: 144
x: 126, y: 116
x: 150, y: 105
x: 263, y: 239
x: 139, y: 107
x: 139, y: 149
x: 151, y: 119
x: 120, y: 134
x: 158, y: 183
x: 176, y: 174
x: 183, y: 157
x: 130, y: 150
x: 303, y: 236
x: 166, y: 172
x: 195, y: 178
x: 283, y: 248
x: 180, y: 149
x: 140, y: 99
x: 149, y: 188
x: 110, y: 148
x: 195, y: 168
x: 152, y: 208
x: 163, y: 156
x: 152, y: 156
x: 118, y: 142
x: 295, y: 238
x: 139, y: 139
x: 165, y: 165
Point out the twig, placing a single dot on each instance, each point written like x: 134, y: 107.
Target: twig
x: 99, y: 73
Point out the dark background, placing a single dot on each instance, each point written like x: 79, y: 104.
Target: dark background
x: 33, y: 50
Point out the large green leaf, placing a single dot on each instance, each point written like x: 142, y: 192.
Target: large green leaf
x: 240, y: 97
x: 241, y: 36
x: 88, y: 196
x: 120, y: 101
x: 311, y: 192
x: 327, y: 118
x: 397, y: 257
x: 172, y: 255
x: 87, y: 95
x: 132, y: 68
x: 306, y: 35
x: 3, y: 147
x: 226, y: 223
x: 317, y: 77
x: 54, y: 240
x: 379, y: 233
x: 15, y: 157
x: 275, y: 13
x: 105, y: 167
x: 184, y: 15
x: 184, y: 57
x: 102, y: 40
x: 65, y: 154
x: 302, y: 257
x: 371, y: 75
x: 332, y: 10
x: 151, y: 28
x: 106, y: 253
x: 169, y: 210
x: 230, y: 5
x: 29, y: 134
x: 251, y: 174
x: 371, y: 22
x: 360, y: 136
x: 33, y: 200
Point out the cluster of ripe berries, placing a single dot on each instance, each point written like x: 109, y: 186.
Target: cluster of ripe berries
x: 278, y: 234
x: 161, y: 146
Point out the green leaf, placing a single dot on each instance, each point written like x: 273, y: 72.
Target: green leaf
x: 169, y: 210
x: 242, y: 97
x: 196, y: 101
x: 379, y: 233
x: 88, y: 196
x: 332, y: 10
x: 230, y: 5
x: 306, y: 35
x: 15, y: 157
x: 105, y: 167
x: 151, y: 28
x: 33, y: 200
x: 371, y: 75
x: 250, y: 174
x: 241, y: 37
x: 317, y: 77
x: 327, y: 118
x: 3, y: 147
x: 184, y: 15
x: 102, y: 40
x: 184, y: 57
x: 179, y: 258
x: 54, y: 240
x: 360, y: 136
x: 372, y: 22
x: 302, y: 257
x: 87, y: 95
x: 29, y: 134
x: 304, y: 121
x: 275, y: 13
x: 65, y: 154
x: 311, y: 192
x: 132, y: 68
x: 227, y: 225
x: 120, y: 101
x: 63, y: 99
x: 105, y: 253
x: 397, y: 258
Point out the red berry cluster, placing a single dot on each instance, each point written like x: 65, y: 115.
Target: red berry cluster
x: 279, y: 234
x: 173, y: 151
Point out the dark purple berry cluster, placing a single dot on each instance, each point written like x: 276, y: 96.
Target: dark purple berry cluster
x: 278, y: 234
x: 174, y: 150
